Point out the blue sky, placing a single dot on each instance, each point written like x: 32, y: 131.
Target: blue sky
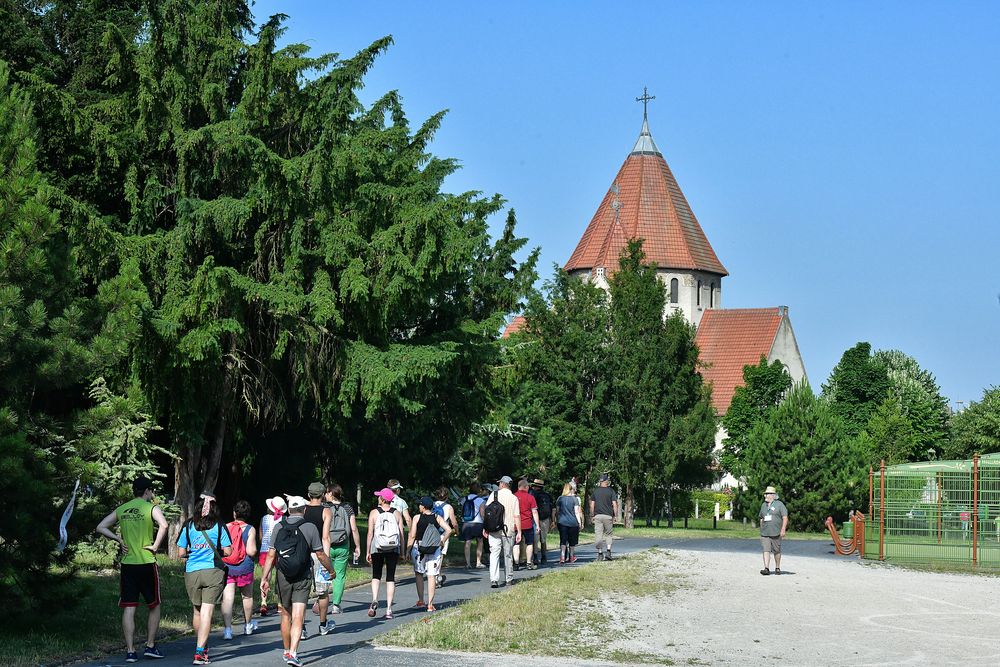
x: 842, y: 158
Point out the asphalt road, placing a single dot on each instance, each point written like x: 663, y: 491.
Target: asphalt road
x: 349, y: 643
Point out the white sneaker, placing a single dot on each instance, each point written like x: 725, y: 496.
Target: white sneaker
x: 305, y: 635
x: 326, y: 628
x: 250, y: 627
x: 335, y: 609
x: 227, y: 633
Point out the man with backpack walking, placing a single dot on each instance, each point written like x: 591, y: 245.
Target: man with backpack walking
x: 343, y: 527
x: 545, y: 514
x: 472, y: 524
x: 428, y: 531
x: 502, y: 527
x: 293, y: 544
x: 321, y: 517
x: 139, y: 576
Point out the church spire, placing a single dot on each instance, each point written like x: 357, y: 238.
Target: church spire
x: 645, y: 144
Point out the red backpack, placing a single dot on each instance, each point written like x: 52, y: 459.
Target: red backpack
x: 239, y: 549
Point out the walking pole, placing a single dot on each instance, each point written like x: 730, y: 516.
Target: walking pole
x: 881, y: 514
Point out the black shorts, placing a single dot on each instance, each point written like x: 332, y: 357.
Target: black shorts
x: 569, y: 535
x: 472, y: 531
x: 139, y: 580
x: 388, y: 559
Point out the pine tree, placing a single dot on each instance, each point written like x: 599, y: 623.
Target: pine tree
x: 764, y: 387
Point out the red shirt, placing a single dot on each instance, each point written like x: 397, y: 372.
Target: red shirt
x: 527, y: 504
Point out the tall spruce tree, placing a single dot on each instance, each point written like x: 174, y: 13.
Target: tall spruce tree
x: 764, y: 386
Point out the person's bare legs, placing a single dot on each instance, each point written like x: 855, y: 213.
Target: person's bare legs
x: 152, y: 626
x: 479, y: 551
x: 286, y: 628
x: 324, y: 606
x: 228, y: 596
x: 375, y: 586
x: 298, y: 619
x: 529, y: 550
x: 767, y: 560
x: 419, y: 580
x: 205, y: 623
x: 468, y: 553
x: 390, y: 591
x: 128, y: 627
x: 431, y: 585
x: 247, y: 603
x: 777, y: 561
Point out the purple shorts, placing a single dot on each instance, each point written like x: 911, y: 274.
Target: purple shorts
x: 242, y: 580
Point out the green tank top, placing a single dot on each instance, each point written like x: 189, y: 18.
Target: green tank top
x: 135, y: 521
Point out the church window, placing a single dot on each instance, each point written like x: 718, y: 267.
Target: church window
x: 711, y: 295
x: 699, y: 292
x: 674, y: 284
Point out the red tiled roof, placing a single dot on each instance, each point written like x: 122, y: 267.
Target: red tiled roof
x: 515, y: 325
x: 728, y: 340
x: 652, y: 208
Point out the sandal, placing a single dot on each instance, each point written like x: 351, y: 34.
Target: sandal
x: 431, y: 607
x: 420, y: 604
x: 371, y: 609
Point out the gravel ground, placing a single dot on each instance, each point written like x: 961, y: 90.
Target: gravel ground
x: 824, y: 611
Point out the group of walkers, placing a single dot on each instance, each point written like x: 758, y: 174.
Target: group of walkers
x: 303, y: 544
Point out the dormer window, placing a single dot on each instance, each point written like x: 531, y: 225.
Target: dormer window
x: 599, y: 272
x: 674, y: 288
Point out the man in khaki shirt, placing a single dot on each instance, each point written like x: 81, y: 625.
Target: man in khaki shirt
x: 511, y: 534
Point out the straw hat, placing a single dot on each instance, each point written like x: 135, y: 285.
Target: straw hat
x: 770, y: 489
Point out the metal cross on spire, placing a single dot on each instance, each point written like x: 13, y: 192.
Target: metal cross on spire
x: 645, y: 99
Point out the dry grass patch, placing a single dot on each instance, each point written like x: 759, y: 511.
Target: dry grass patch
x: 570, y: 613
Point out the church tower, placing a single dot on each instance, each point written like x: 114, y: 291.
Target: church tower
x: 644, y: 201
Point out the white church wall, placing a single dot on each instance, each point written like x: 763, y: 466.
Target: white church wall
x: 688, y: 285
x: 786, y: 350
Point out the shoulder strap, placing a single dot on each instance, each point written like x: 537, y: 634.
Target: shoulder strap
x: 209, y: 542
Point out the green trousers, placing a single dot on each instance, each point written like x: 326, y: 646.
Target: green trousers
x: 339, y: 557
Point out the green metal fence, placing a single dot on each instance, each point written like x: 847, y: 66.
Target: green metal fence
x: 935, y: 511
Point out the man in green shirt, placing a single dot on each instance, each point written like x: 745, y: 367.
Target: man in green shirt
x: 773, y: 518
x: 139, y: 576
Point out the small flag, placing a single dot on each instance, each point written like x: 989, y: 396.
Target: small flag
x: 67, y: 513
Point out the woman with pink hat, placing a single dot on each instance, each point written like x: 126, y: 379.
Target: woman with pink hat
x: 277, y: 508
x: 385, y: 540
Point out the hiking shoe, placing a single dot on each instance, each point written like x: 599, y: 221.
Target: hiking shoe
x: 201, y: 658
x: 250, y: 628
x: 327, y: 628
x: 131, y: 656
x: 494, y: 584
x: 335, y: 609
x: 371, y: 609
x: 480, y: 566
x: 441, y: 579
x: 600, y: 556
x: 573, y: 559
x: 777, y: 570
x: 293, y: 660
x: 152, y: 653
x: 607, y: 556
x: 305, y: 635
x: 765, y: 572
x: 227, y: 633
x: 532, y: 566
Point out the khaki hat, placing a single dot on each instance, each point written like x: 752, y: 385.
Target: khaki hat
x: 770, y: 489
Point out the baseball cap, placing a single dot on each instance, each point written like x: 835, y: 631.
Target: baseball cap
x: 427, y: 502
x: 140, y: 485
x: 294, y: 502
x: 394, y: 484
x: 605, y: 477
x: 386, y: 494
x: 506, y: 479
x: 316, y: 489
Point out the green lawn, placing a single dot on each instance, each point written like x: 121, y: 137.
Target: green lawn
x: 700, y: 528
x: 565, y: 615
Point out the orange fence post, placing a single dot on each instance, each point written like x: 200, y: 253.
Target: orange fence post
x: 975, y: 509
x: 939, y: 494
x: 881, y: 515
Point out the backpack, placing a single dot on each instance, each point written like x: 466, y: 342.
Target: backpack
x: 430, y: 541
x: 338, y: 525
x: 438, y: 510
x: 293, y: 554
x: 386, y: 537
x: 544, y: 501
x: 238, y: 532
x: 469, y: 509
x: 493, y: 515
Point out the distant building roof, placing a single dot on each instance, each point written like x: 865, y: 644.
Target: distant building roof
x: 651, y: 207
x: 728, y: 340
x: 515, y: 325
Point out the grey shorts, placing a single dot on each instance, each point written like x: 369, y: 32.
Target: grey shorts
x: 292, y: 592
x: 770, y: 545
x: 205, y: 586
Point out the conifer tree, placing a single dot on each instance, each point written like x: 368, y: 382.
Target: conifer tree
x: 763, y: 388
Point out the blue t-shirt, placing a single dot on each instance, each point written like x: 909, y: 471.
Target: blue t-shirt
x: 201, y: 555
x: 567, y: 511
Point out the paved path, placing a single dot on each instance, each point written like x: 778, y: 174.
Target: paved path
x: 349, y: 643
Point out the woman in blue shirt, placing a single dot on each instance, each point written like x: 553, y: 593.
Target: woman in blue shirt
x: 203, y: 540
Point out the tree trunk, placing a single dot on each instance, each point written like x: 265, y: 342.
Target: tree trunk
x: 649, y: 511
x: 670, y: 506
x: 629, y: 506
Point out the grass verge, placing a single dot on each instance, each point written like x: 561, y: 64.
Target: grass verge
x: 569, y: 614
x: 92, y: 627
x: 701, y: 529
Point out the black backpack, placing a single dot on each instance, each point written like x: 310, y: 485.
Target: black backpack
x: 293, y: 554
x: 544, y: 501
x: 493, y: 515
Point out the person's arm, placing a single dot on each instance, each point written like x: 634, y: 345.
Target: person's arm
x: 356, y: 536
x: 161, y: 529
x: 104, y: 528
x: 784, y: 522
x: 591, y: 507
x: 579, y: 513
x: 534, y: 517
x: 614, y: 507
x: 444, y: 525
x: 450, y: 511
x: 399, y: 522
x: 265, y: 576
x: 413, y: 533
x: 517, y: 520
x: 406, y: 516
x: 372, y: 518
x: 324, y: 559
x: 251, y: 544
x: 325, y: 537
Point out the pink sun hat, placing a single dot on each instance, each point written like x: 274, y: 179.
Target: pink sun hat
x: 386, y: 494
x: 276, y: 504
